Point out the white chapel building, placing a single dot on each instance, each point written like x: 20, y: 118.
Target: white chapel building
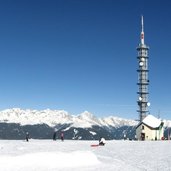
x: 150, y: 128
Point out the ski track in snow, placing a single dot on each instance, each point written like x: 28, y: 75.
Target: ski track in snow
x: 75, y: 155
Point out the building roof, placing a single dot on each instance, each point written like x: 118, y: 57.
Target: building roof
x: 151, y: 121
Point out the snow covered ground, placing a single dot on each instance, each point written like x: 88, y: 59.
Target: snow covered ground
x: 70, y: 155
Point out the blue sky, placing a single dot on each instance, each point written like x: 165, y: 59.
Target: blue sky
x: 79, y: 55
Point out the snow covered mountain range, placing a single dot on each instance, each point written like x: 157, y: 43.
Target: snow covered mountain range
x: 14, y: 123
x: 55, y: 117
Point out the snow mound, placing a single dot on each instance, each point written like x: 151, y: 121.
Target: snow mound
x: 48, y: 160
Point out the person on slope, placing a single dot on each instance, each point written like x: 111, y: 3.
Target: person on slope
x: 102, y: 141
x: 54, y: 134
x: 62, y: 136
x: 27, y: 136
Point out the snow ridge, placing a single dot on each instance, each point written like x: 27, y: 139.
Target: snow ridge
x: 54, y: 117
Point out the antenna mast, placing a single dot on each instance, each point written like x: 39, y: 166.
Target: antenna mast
x: 143, y: 80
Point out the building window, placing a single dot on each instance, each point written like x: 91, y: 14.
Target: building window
x: 143, y: 127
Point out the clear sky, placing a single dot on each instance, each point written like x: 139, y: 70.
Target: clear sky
x: 79, y: 55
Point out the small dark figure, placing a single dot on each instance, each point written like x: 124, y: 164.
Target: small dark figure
x: 124, y: 136
x: 27, y: 136
x: 54, y: 136
x: 102, y: 141
x: 62, y: 136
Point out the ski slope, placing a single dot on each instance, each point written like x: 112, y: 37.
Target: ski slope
x: 48, y: 155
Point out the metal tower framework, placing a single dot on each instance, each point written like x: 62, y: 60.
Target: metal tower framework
x: 143, y: 80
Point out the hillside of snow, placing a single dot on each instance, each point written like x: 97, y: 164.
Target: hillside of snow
x: 48, y: 155
x: 54, y: 117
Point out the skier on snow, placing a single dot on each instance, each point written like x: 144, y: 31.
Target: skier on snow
x: 62, y: 136
x: 54, y: 134
x: 102, y: 141
x: 27, y: 136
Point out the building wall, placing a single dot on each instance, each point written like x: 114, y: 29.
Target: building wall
x: 150, y: 134
x: 138, y: 132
